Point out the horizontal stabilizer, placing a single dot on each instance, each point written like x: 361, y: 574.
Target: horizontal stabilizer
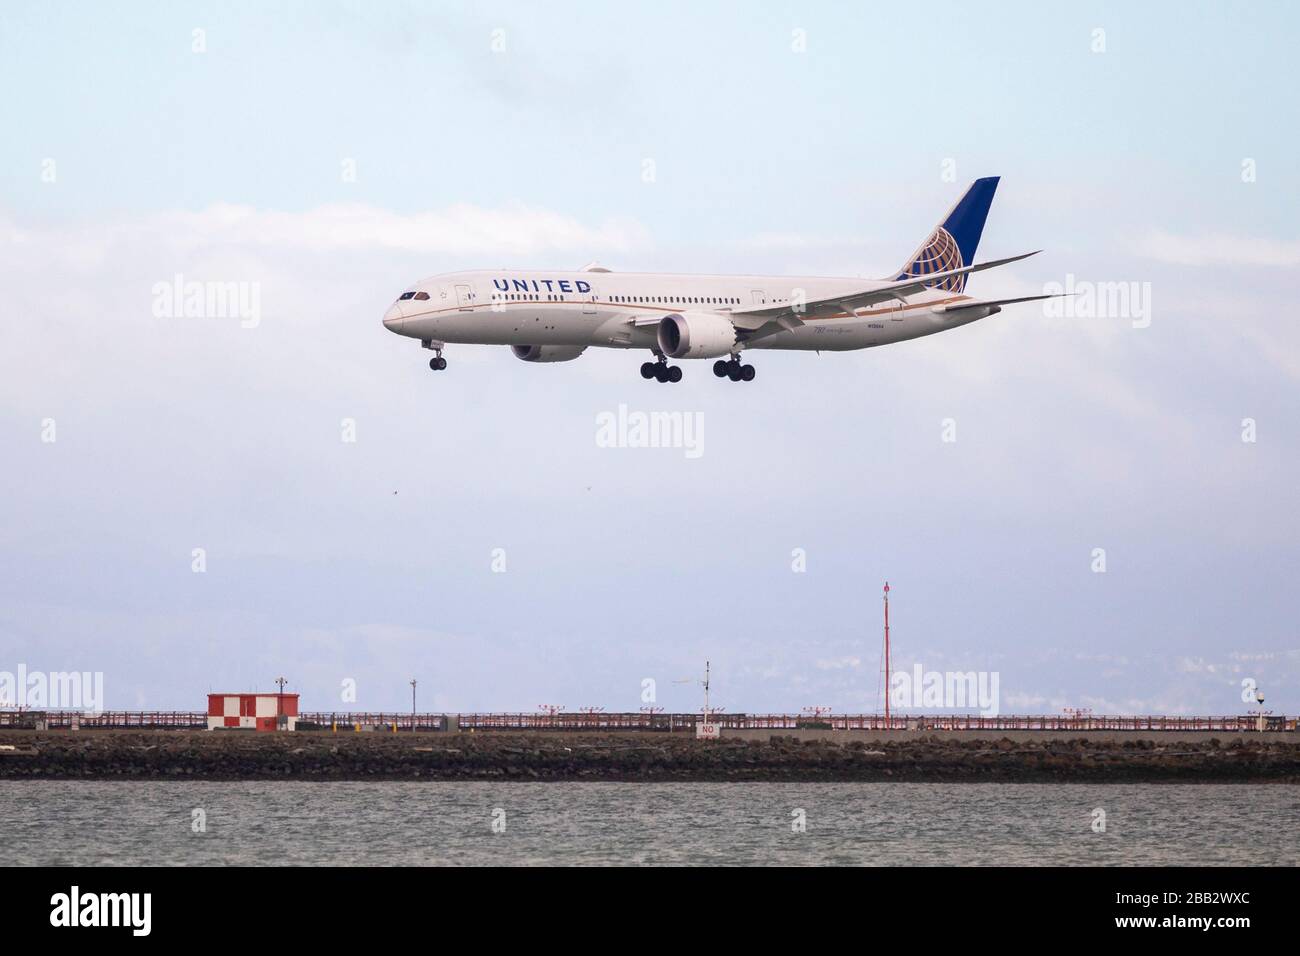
x: 879, y: 292
x: 980, y: 303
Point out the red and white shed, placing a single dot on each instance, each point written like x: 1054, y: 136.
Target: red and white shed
x: 253, y: 711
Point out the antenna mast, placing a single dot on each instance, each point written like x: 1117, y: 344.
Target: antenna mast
x: 887, y: 654
x: 706, y: 692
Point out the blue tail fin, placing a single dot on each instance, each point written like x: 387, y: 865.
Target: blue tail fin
x: 952, y: 244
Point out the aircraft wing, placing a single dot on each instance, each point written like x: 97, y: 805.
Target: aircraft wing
x: 786, y: 316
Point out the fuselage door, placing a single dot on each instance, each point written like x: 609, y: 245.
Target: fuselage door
x: 463, y: 298
x: 760, y: 297
x: 589, y: 303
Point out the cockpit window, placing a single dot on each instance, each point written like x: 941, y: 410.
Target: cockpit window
x: 421, y: 295
x: 405, y: 295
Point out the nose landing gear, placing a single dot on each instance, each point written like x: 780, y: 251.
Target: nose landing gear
x: 437, y: 363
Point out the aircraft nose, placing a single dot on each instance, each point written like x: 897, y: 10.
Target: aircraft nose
x: 393, y: 317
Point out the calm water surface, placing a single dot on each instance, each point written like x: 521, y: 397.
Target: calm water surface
x: 82, y: 823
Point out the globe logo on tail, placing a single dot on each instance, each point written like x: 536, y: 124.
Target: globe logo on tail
x: 939, y: 254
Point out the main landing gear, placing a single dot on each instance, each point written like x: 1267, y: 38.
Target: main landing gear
x: 733, y: 370
x: 661, y: 371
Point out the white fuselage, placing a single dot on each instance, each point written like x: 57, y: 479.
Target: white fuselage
x: 620, y: 309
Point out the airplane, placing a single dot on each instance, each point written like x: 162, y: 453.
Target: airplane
x: 556, y: 316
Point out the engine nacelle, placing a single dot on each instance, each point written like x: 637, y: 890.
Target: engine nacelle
x: 696, y: 335
x: 548, y: 353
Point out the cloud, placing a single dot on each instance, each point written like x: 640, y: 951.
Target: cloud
x: 1218, y: 249
x: 460, y: 230
x: 841, y: 663
x: 1196, y: 665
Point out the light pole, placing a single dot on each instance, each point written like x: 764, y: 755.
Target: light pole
x: 412, y: 705
x: 1260, y: 721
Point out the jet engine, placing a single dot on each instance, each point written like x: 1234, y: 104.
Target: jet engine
x: 548, y: 353
x: 696, y: 335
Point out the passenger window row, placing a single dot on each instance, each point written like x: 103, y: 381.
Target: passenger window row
x: 622, y: 299
x: 677, y: 299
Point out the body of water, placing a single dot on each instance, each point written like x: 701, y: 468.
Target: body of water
x: 365, y: 824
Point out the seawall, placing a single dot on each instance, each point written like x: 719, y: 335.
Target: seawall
x: 739, y: 755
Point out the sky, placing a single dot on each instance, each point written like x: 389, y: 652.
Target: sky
x: 1098, y: 507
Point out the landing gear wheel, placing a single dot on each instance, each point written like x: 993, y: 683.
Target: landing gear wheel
x: 648, y: 369
x: 747, y: 373
x: 675, y: 373
x: 438, y: 363
x: 734, y: 371
x: 661, y: 373
x: 720, y: 368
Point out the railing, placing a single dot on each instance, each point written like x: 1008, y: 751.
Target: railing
x: 379, y: 720
x: 578, y: 721
x: 114, y: 719
x: 661, y: 722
